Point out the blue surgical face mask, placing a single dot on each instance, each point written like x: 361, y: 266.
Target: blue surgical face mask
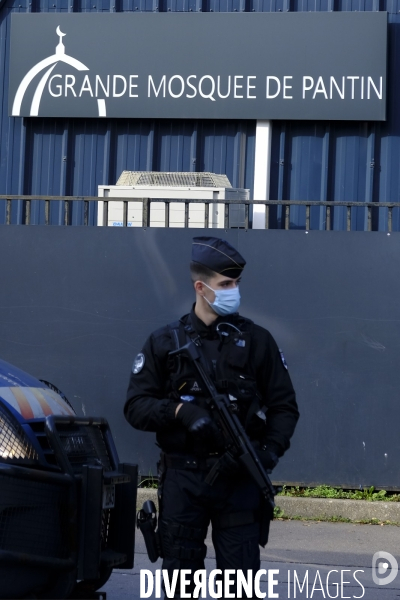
x: 226, y: 301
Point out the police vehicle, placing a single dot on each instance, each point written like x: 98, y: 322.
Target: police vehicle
x: 67, y: 505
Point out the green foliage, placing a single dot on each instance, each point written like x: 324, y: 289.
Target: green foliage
x: 283, y: 517
x: 321, y: 491
x: 279, y: 513
x: 325, y: 491
x: 148, y: 481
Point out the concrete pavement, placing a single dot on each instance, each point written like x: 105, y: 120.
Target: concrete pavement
x: 302, y: 551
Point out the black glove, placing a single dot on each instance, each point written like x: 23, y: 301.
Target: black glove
x: 268, y: 458
x: 233, y: 467
x: 230, y: 467
x: 197, y: 421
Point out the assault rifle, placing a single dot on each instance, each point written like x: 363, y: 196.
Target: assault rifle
x: 238, y: 447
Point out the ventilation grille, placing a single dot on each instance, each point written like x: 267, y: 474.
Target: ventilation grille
x: 84, y: 445
x: 173, y: 179
x: 34, y: 517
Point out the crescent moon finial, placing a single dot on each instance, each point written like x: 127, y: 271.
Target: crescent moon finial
x: 59, y: 32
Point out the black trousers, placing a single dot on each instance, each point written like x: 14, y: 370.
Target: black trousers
x: 191, y: 503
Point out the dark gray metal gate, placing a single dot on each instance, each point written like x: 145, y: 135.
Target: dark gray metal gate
x: 77, y: 303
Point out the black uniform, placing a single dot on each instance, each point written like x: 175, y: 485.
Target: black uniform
x: 256, y: 375
x: 244, y: 362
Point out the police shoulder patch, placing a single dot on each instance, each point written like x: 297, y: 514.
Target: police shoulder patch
x: 283, y: 359
x: 138, y: 363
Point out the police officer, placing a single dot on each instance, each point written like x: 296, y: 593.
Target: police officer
x: 166, y: 396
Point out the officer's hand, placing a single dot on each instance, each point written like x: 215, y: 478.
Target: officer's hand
x: 197, y: 421
x: 229, y: 466
x: 268, y: 459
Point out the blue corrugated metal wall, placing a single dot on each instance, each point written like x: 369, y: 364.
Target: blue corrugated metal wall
x: 310, y: 161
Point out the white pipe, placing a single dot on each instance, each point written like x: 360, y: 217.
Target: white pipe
x: 262, y: 168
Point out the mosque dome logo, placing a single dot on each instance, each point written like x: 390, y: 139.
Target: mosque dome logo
x: 52, y: 61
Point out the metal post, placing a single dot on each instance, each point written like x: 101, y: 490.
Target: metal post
x: 186, y: 214
x: 287, y: 216
x: 262, y: 167
x: 206, y: 215
x: 307, y: 217
x: 46, y: 212
x: 348, y: 218
x: 369, y: 228
x: 86, y: 213
x: 246, y: 215
x: 125, y: 214
x: 146, y: 212
x: 166, y: 214
x: 105, y: 213
x: 8, y: 212
x: 66, y: 211
x: 226, y: 215
x: 390, y: 219
x: 27, y: 212
x: 328, y: 218
x: 266, y: 216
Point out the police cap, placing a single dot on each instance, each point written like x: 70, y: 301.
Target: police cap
x: 218, y: 255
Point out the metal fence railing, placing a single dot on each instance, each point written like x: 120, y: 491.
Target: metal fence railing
x: 372, y: 216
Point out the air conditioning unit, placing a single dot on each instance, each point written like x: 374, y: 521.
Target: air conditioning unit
x: 169, y: 187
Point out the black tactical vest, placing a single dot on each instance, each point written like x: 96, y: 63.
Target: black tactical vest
x: 228, y: 360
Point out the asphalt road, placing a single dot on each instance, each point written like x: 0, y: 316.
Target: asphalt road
x: 298, y: 548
